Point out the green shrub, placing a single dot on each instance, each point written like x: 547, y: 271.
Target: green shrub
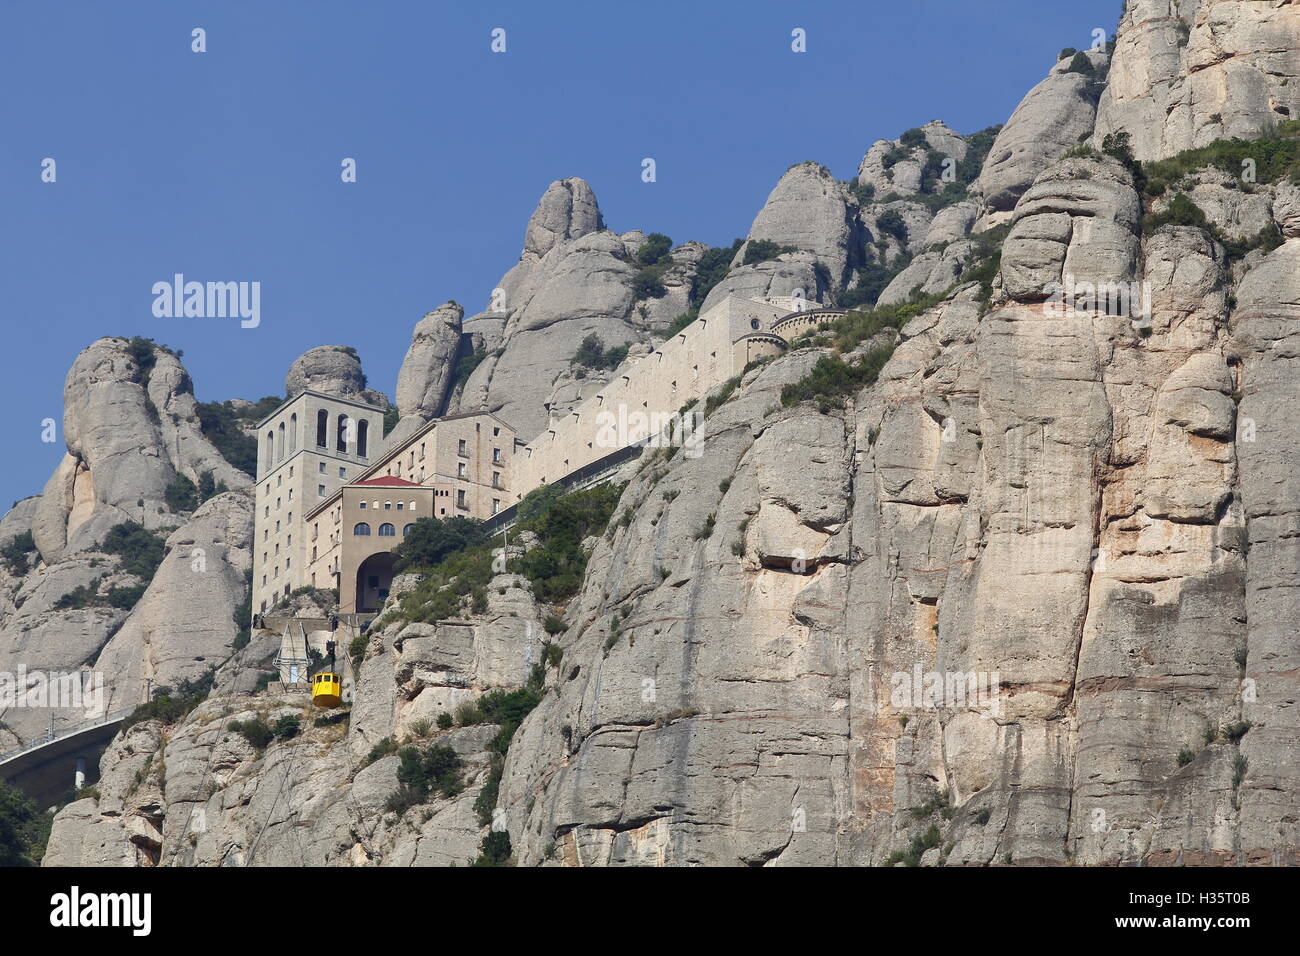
x: 142, y: 354
x: 468, y: 714
x: 140, y: 551
x: 495, y: 849
x: 24, y: 830
x: 125, y: 598
x: 1181, y: 211
x: 82, y: 596
x: 431, y: 540
x: 552, y: 655
x: 255, y: 730
x: 592, y: 354
x: 761, y: 250
x: 648, y: 284
x: 872, y: 279
x: 862, y: 192
x: 891, y: 223
x: 712, y: 268
x: 1236, y: 730
x: 15, y: 551
x: 181, y: 494
x: 654, y: 249
x: 243, y: 614
x: 721, y: 394
x: 223, y: 427
x: 832, y: 380
x: 357, y: 647
x: 422, y: 773
x: 445, y: 721
x: 1081, y: 64
x: 1273, y: 157
x: 286, y: 727
x: 553, y: 624
x: 1185, y: 756
x: 507, y: 708
x: 556, y: 566
x: 380, y: 750
x: 465, y: 366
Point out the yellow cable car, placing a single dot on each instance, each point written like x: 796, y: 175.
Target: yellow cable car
x: 326, y: 689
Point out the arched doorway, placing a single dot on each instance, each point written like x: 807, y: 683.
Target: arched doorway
x: 374, y: 578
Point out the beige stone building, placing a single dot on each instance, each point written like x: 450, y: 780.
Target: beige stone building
x: 332, y: 503
x: 645, y: 397
x: 455, y: 465
x: 307, y: 449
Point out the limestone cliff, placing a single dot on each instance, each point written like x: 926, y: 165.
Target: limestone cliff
x: 1025, y: 594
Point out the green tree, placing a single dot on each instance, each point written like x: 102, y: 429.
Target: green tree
x: 654, y: 249
x: 23, y: 829
x: 431, y: 540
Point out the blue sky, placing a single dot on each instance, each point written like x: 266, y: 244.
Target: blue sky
x: 225, y: 165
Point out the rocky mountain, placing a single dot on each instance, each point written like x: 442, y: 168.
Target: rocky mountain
x: 1000, y: 568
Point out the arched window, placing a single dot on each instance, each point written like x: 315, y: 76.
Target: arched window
x: 322, y: 428
x: 406, y: 529
x: 363, y: 430
x: 270, y: 451
x: 386, y: 530
x: 361, y: 528
x: 341, y: 441
x: 293, y: 433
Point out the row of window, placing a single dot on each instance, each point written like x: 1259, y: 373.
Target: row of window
x: 282, y: 440
x: 386, y: 530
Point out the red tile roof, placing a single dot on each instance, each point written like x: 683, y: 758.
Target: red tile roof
x: 388, y: 480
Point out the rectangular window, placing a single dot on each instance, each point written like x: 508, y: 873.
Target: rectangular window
x: 460, y: 500
x: 322, y: 467
x: 320, y: 491
x: 460, y: 470
x: 462, y: 447
x: 361, y: 505
x: 496, y: 455
x: 496, y: 505
x: 496, y: 479
x: 343, y: 472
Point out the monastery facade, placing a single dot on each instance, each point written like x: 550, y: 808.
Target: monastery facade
x: 333, y: 503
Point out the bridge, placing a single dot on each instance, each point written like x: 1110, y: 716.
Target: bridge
x: 46, y: 768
